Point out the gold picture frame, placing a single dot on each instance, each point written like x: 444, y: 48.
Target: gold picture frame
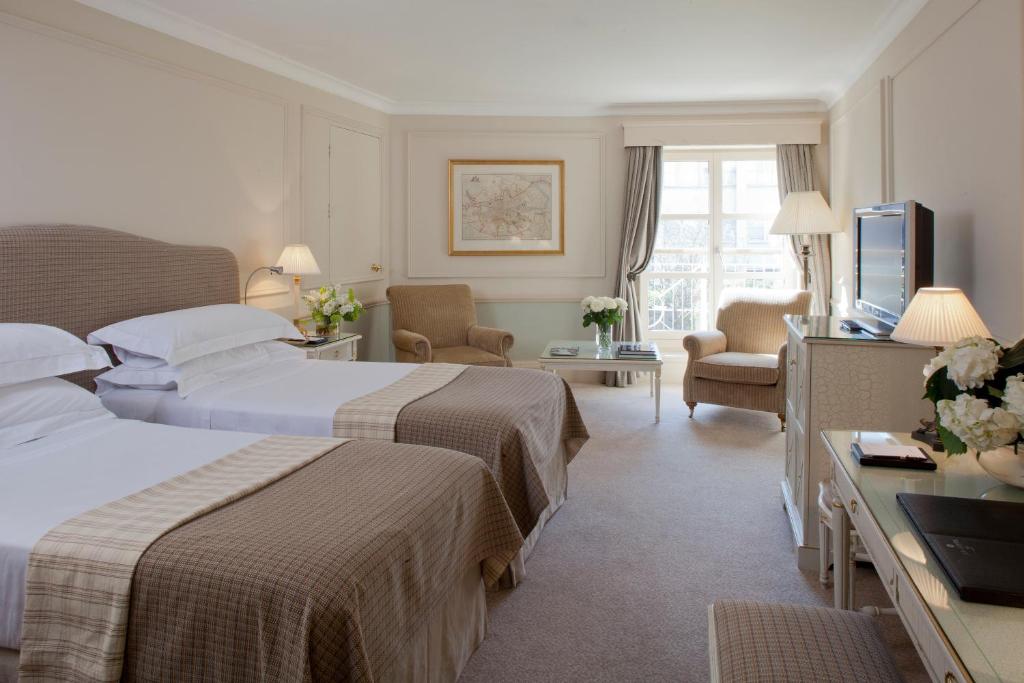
x: 544, y: 178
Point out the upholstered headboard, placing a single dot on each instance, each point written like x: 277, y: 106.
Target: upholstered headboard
x: 81, y: 278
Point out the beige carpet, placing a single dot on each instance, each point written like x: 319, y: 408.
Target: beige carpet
x: 661, y: 520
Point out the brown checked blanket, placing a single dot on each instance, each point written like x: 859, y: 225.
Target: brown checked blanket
x: 320, y: 574
x: 514, y: 419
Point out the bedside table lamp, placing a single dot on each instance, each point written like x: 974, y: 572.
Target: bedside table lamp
x: 804, y: 213
x: 296, y: 260
x: 937, y: 317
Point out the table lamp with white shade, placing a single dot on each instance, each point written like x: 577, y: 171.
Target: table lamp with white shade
x: 295, y: 260
x: 938, y: 317
x: 804, y: 213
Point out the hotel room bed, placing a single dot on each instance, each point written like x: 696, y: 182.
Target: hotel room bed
x: 362, y: 561
x: 524, y: 424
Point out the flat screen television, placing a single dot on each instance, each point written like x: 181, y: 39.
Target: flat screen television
x: 893, y: 256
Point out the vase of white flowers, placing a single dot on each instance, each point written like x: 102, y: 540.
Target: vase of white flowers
x: 977, y: 387
x: 604, y: 312
x: 328, y: 306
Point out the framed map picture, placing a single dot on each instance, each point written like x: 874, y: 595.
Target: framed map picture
x: 506, y: 208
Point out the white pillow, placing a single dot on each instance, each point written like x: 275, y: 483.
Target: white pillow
x: 29, y: 352
x: 31, y: 410
x: 179, y: 336
x: 198, y: 372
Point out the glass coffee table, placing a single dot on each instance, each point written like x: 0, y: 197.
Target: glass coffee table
x: 590, y: 358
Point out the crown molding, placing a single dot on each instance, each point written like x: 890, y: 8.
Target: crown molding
x: 183, y: 28
x: 886, y: 30
x: 148, y: 15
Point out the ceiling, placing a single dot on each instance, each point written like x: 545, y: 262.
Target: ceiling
x: 559, y: 57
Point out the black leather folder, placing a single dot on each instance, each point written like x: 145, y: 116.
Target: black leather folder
x: 978, y: 543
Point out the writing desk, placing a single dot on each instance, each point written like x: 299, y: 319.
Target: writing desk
x: 957, y: 640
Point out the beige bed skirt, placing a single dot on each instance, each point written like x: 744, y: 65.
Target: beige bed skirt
x: 438, y: 652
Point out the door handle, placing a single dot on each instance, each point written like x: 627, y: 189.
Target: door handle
x: 376, y: 267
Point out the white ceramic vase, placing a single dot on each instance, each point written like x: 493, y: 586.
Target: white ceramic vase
x: 1005, y: 465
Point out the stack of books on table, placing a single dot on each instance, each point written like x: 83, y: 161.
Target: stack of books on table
x: 637, y: 351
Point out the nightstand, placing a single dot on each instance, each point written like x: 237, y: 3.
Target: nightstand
x: 342, y: 349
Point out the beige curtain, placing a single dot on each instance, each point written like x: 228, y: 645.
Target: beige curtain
x: 639, y: 230
x: 796, y: 172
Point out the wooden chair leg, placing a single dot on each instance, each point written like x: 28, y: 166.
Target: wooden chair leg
x: 782, y: 419
x: 691, y: 405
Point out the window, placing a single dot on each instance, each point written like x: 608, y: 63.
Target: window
x: 716, y: 209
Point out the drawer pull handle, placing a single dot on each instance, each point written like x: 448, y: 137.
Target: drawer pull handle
x: 950, y: 678
x: 376, y: 267
x: 853, y: 505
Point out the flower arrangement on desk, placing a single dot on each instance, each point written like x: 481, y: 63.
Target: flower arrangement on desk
x: 328, y: 306
x: 603, y: 311
x: 977, y: 387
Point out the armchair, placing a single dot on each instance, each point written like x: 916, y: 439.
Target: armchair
x: 437, y: 324
x: 742, y: 362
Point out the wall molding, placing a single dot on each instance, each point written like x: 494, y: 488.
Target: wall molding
x: 233, y: 87
x: 183, y: 28
x: 190, y: 31
x: 600, y: 137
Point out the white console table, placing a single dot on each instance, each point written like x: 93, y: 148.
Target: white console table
x: 838, y: 380
x: 958, y: 641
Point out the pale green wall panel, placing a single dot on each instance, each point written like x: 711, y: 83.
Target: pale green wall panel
x: 533, y: 324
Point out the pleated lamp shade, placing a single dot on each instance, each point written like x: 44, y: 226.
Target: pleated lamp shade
x: 297, y: 259
x: 804, y: 213
x: 939, y: 316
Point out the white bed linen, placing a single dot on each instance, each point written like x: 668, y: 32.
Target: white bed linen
x: 297, y: 397
x: 47, y: 481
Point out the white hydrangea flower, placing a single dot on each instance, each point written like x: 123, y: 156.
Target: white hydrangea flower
x: 597, y: 305
x: 585, y: 304
x: 969, y: 362
x: 621, y: 303
x: 1013, y: 396
x: 609, y: 303
x: 977, y: 424
x: 346, y: 308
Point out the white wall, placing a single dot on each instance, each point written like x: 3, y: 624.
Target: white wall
x: 108, y: 123
x: 595, y: 177
x: 937, y: 118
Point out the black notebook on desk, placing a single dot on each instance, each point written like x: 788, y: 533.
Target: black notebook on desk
x: 978, y: 543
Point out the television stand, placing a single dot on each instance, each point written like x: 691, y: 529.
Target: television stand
x: 876, y: 329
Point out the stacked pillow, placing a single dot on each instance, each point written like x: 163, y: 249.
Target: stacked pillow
x: 33, y: 402
x: 194, y: 347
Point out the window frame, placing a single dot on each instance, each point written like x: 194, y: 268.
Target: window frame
x: 715, y: 275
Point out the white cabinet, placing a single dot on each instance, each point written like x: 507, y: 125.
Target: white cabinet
x: 356, y: 210
x: 837, y: 380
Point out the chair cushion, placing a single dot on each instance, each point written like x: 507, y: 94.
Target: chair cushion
x: 466, y: 355
x: 739, y: 368
x: 752, y: 641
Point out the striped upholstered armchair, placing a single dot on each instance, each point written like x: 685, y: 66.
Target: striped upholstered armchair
x: 437, y: 324
x: 742, y: 363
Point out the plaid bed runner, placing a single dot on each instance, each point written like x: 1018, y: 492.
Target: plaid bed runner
x: 78, y: 584
x: 374, y: 415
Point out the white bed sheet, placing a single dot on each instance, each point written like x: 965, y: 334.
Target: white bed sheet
x: 47, y: 481
x: 297, y: 397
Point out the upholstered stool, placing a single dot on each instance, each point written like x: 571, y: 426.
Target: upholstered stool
x: 760, y: 642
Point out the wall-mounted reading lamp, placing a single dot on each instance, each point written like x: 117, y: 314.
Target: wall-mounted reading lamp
x: 296, y: 260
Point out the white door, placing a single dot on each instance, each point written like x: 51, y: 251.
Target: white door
x: 356, y: 213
